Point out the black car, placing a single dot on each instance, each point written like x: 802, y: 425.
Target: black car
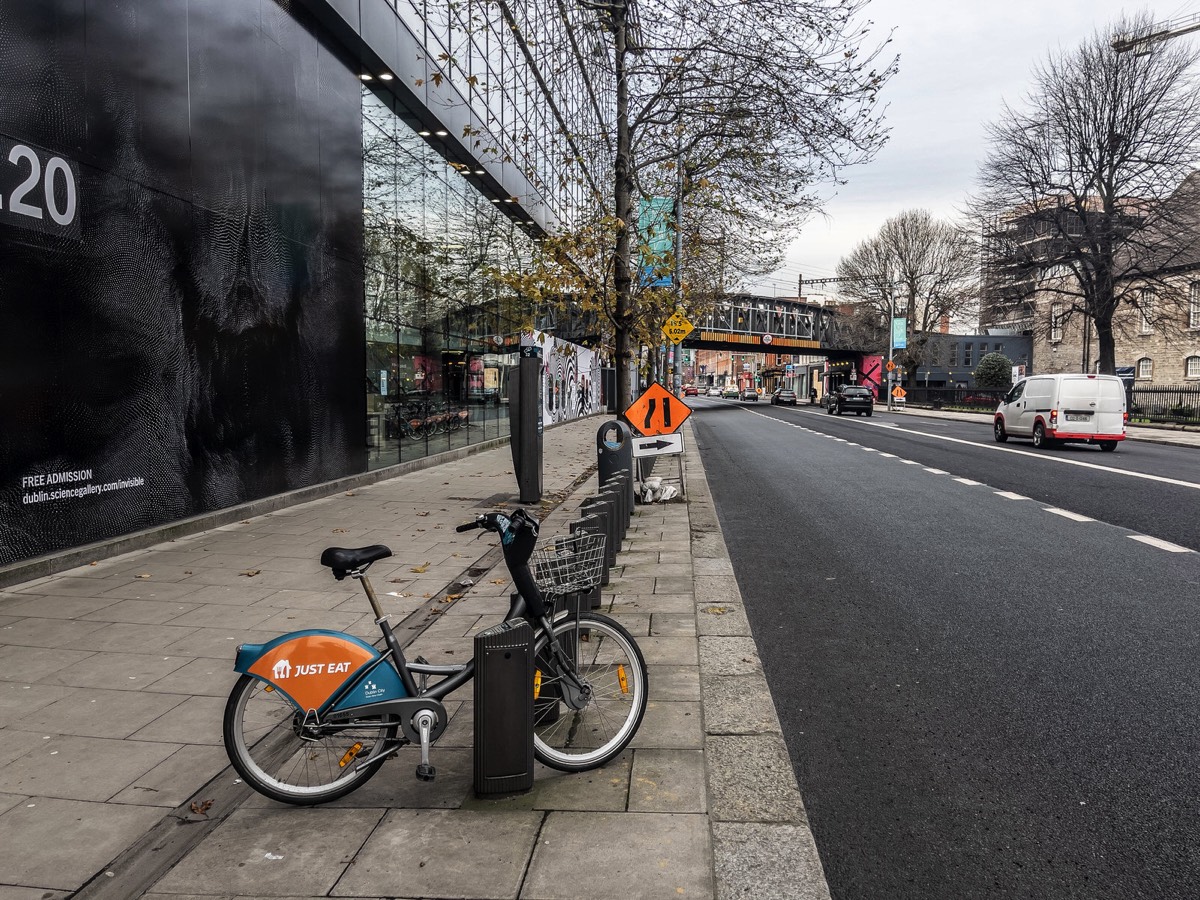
x: 784, y: 396
x: 850, y: 398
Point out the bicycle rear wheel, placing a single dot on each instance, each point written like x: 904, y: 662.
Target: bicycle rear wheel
x: 609, y: 662
x: 280, y: 756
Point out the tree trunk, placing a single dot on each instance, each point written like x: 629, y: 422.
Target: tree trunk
x: 623, y: 198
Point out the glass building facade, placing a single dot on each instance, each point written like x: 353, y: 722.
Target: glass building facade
x: 246, y: 243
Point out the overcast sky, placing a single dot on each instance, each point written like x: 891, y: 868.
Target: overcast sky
x: 959, y: 59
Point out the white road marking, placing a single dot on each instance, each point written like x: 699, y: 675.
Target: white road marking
x: 887, y: 455
x: 936, y: 471
x: 1067, y: 514
x: 968, y: 481
x: 1160, y: 544
x: 1010, y: 495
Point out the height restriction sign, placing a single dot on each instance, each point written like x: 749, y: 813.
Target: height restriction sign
x: 677, y: 327
x: 657, y: 411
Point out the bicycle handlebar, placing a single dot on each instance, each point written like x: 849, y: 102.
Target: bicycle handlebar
x: 469, y: 526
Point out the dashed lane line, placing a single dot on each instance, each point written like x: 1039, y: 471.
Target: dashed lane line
x: 1009, y: 495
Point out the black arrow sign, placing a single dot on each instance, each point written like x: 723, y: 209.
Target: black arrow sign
x: 657, y: 445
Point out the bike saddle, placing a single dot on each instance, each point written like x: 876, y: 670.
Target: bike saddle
x: 343, y: 561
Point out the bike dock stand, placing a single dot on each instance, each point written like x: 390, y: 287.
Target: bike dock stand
x: 503, y: 746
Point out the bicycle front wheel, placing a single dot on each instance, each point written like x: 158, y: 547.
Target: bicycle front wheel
x: 282, y: 757
x: 609, y: 664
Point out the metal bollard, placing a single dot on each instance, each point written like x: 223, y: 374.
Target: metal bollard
x: 602, y: 510
x: 503, y: 754
x: 592, y: 525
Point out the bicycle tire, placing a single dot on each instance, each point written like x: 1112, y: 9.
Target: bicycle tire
x: 578, y: 740
x: 262, y: 741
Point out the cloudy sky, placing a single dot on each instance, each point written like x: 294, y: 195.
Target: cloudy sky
x: 959, y: 60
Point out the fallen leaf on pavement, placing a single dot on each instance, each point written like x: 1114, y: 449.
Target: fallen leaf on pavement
x: 421, y: 568
x: 250, y: 573
x: 202, y: 808
x: 142, y: 575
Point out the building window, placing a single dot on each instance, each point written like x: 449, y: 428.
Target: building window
x: 1000, y: 349
x: 954, y: 354
x: 1191, y: 367
x: 1145, y: 368
x: 982, y: 350
x: 1056, y: 317
x: 1146, y: 306
x: 967, y: 354
x: 1194, y: 306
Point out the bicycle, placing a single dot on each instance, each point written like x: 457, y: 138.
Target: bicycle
x: 316, y: 713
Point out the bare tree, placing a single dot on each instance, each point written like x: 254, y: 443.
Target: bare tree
x: 916, y: 266
x: 749, y: 103
x: 1083, y: 195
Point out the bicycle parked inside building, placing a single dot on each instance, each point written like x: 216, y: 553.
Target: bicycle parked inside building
x: 316, y: 713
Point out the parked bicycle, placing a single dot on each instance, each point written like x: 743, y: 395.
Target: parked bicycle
x: 316, y: 713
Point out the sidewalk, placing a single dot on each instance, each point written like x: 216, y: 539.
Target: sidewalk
x: 113, y: 678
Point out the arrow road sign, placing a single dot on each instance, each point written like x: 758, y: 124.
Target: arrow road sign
x: 658, y: 445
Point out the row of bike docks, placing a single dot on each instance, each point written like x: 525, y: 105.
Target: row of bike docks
x: 570, y: 571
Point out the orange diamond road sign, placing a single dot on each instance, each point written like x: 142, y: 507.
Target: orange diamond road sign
x: 657, y: 411
x: 891, y: 366
x: 899, y: 393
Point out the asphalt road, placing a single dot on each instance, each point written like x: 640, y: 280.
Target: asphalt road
x: 986, y: 677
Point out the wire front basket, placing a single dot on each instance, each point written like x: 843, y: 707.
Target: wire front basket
x: 571, y: 563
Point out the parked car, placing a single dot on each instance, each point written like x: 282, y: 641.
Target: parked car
x: 749, y: 394
x: 850, y: 398
x: 713, y: 391
x: 731, y: 392
x: 690, y: 390
x: 783, y: 397
x: 1086, y: 409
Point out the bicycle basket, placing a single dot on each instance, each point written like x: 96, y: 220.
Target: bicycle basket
x: 571, y: 563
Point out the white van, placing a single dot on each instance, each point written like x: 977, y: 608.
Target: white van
x: 1068, y: 408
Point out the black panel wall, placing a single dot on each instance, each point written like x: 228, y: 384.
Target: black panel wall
x: 181, y: 284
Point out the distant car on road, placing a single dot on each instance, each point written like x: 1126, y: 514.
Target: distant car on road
x: 749, y: 394
x: 850, y: 398
x: 731, y: 392
x: 713, y: 391
x: 691, y: 391
x: 783, y: 397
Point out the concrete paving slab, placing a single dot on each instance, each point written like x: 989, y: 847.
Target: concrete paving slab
x: 39, y: 632
x: 82, y: 837
x: 665, y: 624
x: 173, y: 781
x: 51, y: 607
x: 674, y: 682
x: 100, y: 713
x: 121, y: 638
x: 139, y: 612
x: 26, y: 664
x: 272, y: 852
x: 678, y: 650
x: 18, y: 700
x: 118, y: 671
x: 197, y: 720
x: 206, y: 677
x: 409, y: 854
x: 606, y: 788
x: 81, y: 768
x: 668, y: 781
x: 676, y: 724
x: 14, y: 743
x: 588, y: 856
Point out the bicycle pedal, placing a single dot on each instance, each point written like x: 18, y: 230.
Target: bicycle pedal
x: 426, y: 772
